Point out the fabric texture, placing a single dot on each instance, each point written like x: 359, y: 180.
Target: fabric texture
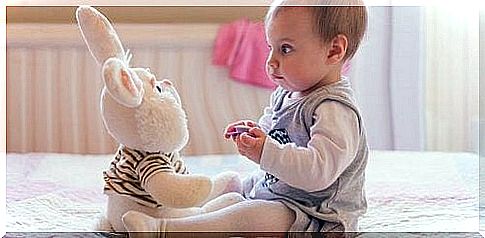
x: 344, y: 201
x: 63, y: 192
x: 331, y: 148
x: 131, y: 169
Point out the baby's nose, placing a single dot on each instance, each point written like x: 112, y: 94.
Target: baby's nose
x: 272, y: 64
x: 167, y: 82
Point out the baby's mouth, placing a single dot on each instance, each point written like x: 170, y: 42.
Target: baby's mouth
x: 277, y: 77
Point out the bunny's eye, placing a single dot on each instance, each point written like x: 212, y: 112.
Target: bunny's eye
x: 159, y: 89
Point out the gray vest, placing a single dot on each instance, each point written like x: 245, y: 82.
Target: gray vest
x: 342, y: 202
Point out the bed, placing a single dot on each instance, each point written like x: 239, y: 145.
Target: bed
x: 406, y: 191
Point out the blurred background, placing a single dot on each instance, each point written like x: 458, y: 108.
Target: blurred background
x: 416, y: 75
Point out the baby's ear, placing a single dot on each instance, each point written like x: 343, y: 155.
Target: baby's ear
x: 122, y: 83
x: 337, y: 49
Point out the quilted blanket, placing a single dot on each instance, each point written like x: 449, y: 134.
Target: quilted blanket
x: 406, y: 191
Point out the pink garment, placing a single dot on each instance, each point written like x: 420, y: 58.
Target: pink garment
x: 241, y: 46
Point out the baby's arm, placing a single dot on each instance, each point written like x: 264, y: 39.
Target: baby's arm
x: 332, y: 146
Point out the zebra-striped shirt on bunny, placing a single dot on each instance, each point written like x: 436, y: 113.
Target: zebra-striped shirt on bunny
x: 130, y: 170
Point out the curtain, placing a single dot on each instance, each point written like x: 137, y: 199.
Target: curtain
x: 452, y: 43
x: 416, y: 78
x: 387, y: 75
x: 482, y: 85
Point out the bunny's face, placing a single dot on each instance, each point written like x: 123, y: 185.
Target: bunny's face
x: 158, y: 123
x: 154, y: 88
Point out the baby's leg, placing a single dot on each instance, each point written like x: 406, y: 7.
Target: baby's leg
x: 222, y: 201
x: 250, y: 215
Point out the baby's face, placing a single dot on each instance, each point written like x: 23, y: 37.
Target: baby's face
x: 297, y: 59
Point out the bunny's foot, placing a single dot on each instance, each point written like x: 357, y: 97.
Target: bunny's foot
x: 141, y: 225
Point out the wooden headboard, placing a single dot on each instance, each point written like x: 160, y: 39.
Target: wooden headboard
x: 139, y: 14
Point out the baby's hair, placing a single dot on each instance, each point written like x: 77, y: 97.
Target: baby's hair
x: 331, y: 18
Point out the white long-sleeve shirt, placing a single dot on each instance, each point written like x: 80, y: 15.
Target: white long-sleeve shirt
x: 333, y: 144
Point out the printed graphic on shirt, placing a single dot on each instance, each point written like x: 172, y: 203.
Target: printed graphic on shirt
x: 280, y: 135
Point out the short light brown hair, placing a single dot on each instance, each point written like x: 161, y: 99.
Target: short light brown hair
x: 331, y: 18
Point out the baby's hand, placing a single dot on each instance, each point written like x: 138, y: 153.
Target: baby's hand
x: 239, y: 130
x: 250, y: 144
x: 233, y: 130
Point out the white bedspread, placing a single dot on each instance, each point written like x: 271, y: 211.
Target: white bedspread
x: 406, y: 191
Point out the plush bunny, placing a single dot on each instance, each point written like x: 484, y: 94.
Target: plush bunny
x: 146, y: 117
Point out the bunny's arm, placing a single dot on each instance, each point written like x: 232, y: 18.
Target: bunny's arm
x: 179, y: 190
x: 164, y: 178
x: 225, y: 182
x: 171, y: 186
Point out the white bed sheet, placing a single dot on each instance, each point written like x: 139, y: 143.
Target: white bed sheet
x: 406, y: 191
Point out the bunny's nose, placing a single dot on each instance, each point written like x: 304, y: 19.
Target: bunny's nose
x: 167, y: 82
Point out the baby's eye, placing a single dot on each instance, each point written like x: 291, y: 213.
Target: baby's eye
x: 285, y: 48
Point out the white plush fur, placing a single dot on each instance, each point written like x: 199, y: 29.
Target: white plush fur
x: 139, y: 117
x: 157, y: 113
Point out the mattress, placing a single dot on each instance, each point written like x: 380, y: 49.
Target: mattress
x: 406, y: 191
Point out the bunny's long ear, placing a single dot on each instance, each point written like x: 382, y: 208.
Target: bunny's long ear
x: 122, y: 83
x: 99, y: 35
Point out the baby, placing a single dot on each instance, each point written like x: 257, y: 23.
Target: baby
x: 310, y: 142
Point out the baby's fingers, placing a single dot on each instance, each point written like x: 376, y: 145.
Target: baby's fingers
x: 231, y: 128
x: 256, y: 132
x: 247, y: 140
x: 250, y: 123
